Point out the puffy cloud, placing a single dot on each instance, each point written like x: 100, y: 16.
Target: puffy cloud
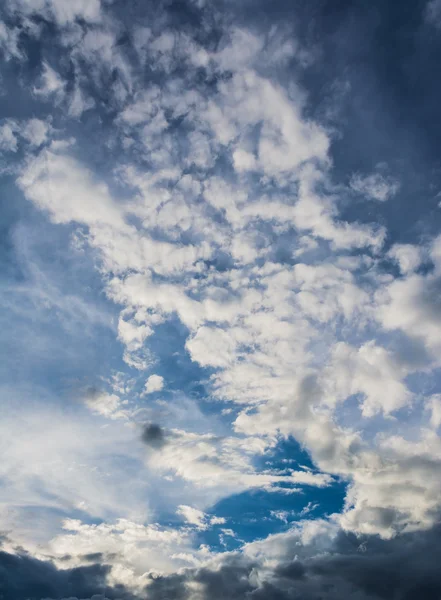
x: 106, y: 405
x: 411, y: 305
x: 133, y: 549
x: 69, y: 200
x: 8, y: 138
x: 371, y: 371
x: 408, y: 257
x: 155, y: 383
x: 34, y: 132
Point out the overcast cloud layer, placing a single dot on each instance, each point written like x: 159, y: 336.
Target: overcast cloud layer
x: 220, y: 299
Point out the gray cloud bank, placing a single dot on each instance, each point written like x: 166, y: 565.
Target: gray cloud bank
x: 405, y: 568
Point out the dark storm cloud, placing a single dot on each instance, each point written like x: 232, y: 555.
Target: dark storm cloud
x: 153, y: 435
x: 23, y: 577
x: 406, y: 568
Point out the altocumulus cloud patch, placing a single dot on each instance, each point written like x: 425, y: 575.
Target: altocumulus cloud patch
x: 220, y: 315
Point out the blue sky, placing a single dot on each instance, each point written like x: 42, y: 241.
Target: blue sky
x: 219, y: 317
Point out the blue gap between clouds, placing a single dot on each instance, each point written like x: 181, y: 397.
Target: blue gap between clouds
x: 249, y: 514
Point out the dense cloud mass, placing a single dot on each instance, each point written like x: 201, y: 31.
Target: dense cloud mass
x: 220, y: 318
x: 22, y: 576
x: 367, y: 569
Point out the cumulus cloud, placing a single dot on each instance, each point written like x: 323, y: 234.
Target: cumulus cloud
x: 407, y: 256
x: 322, y: 565
x: 198, y: 518
x: 155, y: 383
x: 132, y: 550
x: 107, y: 405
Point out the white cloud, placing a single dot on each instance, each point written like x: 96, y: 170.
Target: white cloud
x: 36, y: 132
x: 155, y: 383
x: 374, y: 186
x: 201, y: 347
x: 193, y: 516
x: 198, y: 518
x: 9, y: 42
x: 371, y: 371
x: 8, y: 138
x: 133, y: 549
x: 50, y: 83
x: 286, y: 140
x: 79, y: 102
x: 58, y: 184
x: 106, y: 405
x: 410, y: 305
x: 243, y: 160
x: 408, y: 257
x: 434, y: 405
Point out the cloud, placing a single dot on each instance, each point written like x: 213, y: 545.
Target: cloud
x: 375, y: 186
x: 59, y: 11
x: 132, y: 550
x: 155, y: 383
x: 299, y: 564
x: 106, y: 405
x: 50, y: 83
x: 9, y: 42
x: 193, y: 516
x: 23, y: 576
x: 33, y: 132
x: 408, y: 257
x: 435, y: 407
x: 433, y: 12
x: 334, y: 567
x: 8, y: 139
x: 410, y: 305
x: 36, y: 132
x: 370, y: 371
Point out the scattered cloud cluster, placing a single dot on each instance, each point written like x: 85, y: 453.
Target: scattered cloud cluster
x: 182, y: 161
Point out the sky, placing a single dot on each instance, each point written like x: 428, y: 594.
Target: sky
x: 220, y: 314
